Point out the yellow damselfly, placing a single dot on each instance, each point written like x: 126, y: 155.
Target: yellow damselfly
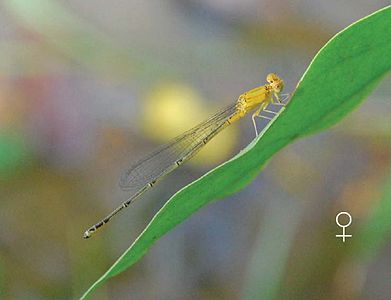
x: 145, y: 173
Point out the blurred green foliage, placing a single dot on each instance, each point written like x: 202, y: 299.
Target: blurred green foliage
x: 376, y: 228
x: 12, y: 152
x: 81, y: 42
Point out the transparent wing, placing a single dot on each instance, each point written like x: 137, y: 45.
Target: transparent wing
x: 168, y: 157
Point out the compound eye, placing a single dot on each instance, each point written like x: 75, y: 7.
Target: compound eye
x: 271, y: 78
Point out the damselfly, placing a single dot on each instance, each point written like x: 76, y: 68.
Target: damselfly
x: 147, y: 172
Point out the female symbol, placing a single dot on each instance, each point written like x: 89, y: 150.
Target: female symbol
x: 343, y: 235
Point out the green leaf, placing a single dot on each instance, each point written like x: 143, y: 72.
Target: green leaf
x: 341, y: 75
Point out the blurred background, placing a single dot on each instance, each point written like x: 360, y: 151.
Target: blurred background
x: 86, y: 88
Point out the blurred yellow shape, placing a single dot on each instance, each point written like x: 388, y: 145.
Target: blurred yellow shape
x: 172, y: 108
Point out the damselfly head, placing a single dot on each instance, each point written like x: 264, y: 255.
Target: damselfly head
x: 275, y: 82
